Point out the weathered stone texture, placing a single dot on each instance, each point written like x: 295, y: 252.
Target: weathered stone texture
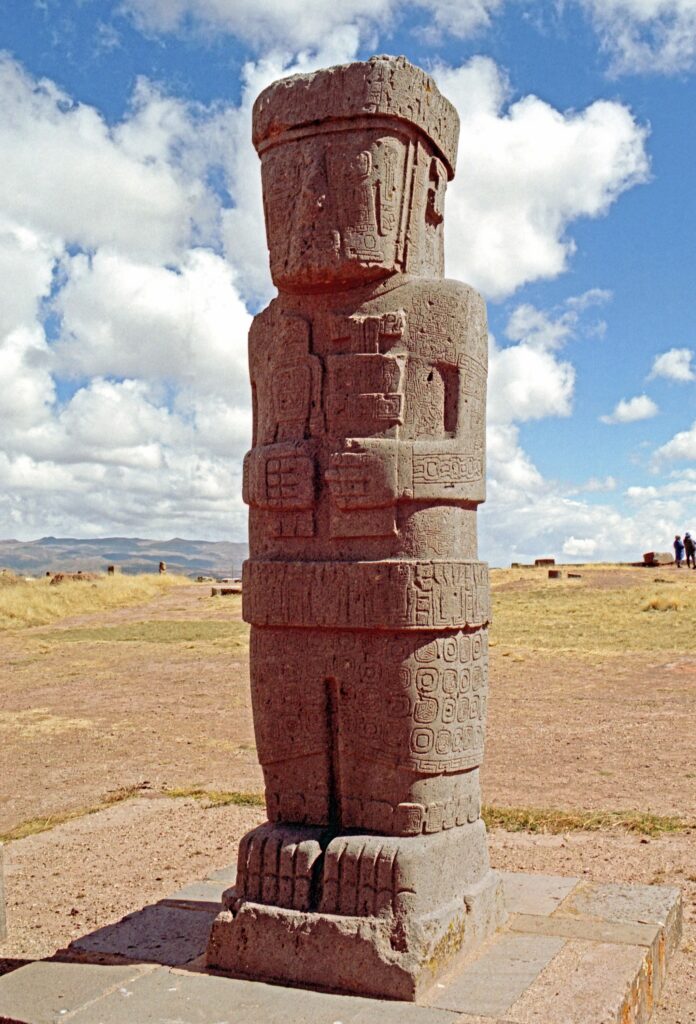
x: 368, y: 606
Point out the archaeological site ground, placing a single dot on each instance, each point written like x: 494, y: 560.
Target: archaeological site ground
x: 128, y: 767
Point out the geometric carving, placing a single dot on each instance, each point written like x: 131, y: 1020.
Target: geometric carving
x: 368, y: 605
x: 364, y: 394
x: 366, y: 595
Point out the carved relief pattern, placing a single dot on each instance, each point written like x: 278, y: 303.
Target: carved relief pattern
x: 369, y: 642
x: 366, y: 595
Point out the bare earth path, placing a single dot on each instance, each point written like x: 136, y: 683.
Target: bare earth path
x: 157, y: 696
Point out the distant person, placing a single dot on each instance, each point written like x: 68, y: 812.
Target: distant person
x: 678, y: 551
x: 689, y: 550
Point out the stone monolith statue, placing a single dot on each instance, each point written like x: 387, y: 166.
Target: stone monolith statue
x: 367, y: 604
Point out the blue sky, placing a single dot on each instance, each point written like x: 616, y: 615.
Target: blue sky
x: 132, y: 255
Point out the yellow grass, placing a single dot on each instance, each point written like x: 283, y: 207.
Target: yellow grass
x: 531, y: 612
x: 44, y: 824
x: 37, y: 602
x: 553, y: 822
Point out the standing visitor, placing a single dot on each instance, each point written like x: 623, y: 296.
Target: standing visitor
x: 690, y: 550
x: 678, y: 551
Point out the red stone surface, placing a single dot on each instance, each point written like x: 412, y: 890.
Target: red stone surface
x: 368, y: 606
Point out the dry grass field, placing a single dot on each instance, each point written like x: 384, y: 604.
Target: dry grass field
x: 130, y: 697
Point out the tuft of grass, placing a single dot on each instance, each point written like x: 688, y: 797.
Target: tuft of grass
x: 583, y: 618
x: 34, y: 826
x: 217, y: 797
x: 33, y: 723
x: 157, y: 631
x: 554, y: 822
x: 661, y: 604
x: 37, y: 603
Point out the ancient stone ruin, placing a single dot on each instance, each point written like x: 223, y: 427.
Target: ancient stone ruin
x: 367, y: 604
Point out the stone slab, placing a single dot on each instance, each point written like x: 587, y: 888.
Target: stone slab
x: 199, y: 895
x: 168, y: 996
x: 535, y: 894
x: 161, y: 934
x: 589, y: 983
x: 45, y: 992
x: 618, y: 932
x: 641, y: 904
x: 577, y: 964
x: 227, y: 875
x: 491, y: 983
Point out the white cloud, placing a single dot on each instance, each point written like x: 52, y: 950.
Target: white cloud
x: 681, y: 446
x: 551, y: 330
x: 596, y: 485
x: 152, y: 321
x: 630, y: 410
x: 126, y: 319
x: 265, y: 24
x: 299, y: 24
x: 676, y: 364
x: 527, y: 383
x: 149, y: 317
x: 526, y: 171
x: 26, y: 387
x: 580, y: 546
x: 460, y: 17
x: 646, y: 35
x: 66, y: 175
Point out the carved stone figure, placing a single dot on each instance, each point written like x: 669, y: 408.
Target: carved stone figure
x: 367, y: 604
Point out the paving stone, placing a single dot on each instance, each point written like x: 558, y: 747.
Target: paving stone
x: 490, y: 984
x: 228, y: 875
x: 200, y: 895
x: 535, y: 894
x: 626, y: 933
x: 643, y: 904
x: 589, y: 983
x: 157, y: 934
x: 168, y: 996
x: 45, y: 992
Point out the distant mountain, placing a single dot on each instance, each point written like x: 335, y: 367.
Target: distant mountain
x: 128, y: 554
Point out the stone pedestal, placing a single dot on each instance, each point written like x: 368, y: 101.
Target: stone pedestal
x: 386, y: 920
x: 368, y: 606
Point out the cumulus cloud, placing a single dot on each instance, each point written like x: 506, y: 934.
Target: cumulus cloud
x: 631, y: 410
x: 527, y: 383
x: 681, y: 446
x: 109, y: 239
x: 66, y: 175
x: 597, y: 484
x: 676, y: 364
x: 526, y: 172
x: 298, y: 24
x: 646, y: 35
x: 127, y: 319
x: 265, y: 24
x: 131, y: 414
x: 580, y: 546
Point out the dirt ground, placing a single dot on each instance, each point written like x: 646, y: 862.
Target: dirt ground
x: 159, y: 694
x: 89, y: 872
x: 157, y: 697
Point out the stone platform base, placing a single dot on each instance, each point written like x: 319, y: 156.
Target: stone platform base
x: 367, y: 956
x: 572, y: 952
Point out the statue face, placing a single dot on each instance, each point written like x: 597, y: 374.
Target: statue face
x: 334, y: 206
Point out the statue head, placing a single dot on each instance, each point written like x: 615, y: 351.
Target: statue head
x: 355, y: 161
